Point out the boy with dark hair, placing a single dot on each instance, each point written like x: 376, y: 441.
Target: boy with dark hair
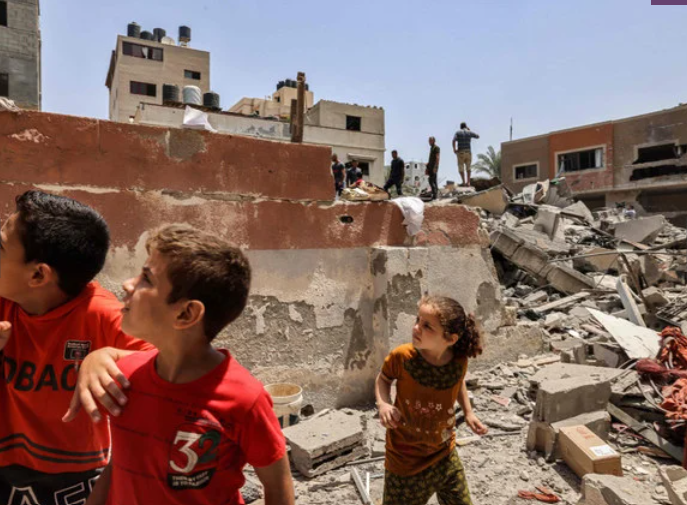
x: 51, y: 316
x: 195, y: 416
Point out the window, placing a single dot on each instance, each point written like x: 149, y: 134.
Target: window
x: 3, y: 13
x: 529, y: 171
x: 142, y: 88
x: 191, y: 74
x: 5, y: 85
x: 365, y: 167
x: 353, y: 123
x: 657, y: 153
x: 139, y: 51
x: 581, y: 160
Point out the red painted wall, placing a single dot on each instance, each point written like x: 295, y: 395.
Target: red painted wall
x: 260, y: 194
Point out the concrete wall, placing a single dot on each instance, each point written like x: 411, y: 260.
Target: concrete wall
x: 534, y: 150
x: 333, y: 115
x: 330, y: 295
x: 20, y: 53
x: 279, y: 105
x: 176, y: 59
x: 348, y: 145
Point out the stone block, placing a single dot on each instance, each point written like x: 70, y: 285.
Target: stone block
x: 564, y: 371
x: 644, y: 230
x: 655, y: 297
x: 611, y: 490
x: 605, y: 263
x: 506, y: 242
x: 326, y: 442
x: 560, y: 399
x: 530, y: 258
x: 675, y: 481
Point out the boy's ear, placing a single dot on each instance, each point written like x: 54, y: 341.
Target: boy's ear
x: 42, y: 275
x: 453, y: 338
x: 190, y: 314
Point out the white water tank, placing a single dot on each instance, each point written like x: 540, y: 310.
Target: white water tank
x: 192, y: 95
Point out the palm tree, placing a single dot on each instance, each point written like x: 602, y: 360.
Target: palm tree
x: 489, y: 163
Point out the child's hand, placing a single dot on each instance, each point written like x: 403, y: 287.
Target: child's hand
x: 5, y: 332
x: 475, y: 424
x: 389, y: 416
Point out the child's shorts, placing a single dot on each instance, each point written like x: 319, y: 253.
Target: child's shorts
x: 446, y: 478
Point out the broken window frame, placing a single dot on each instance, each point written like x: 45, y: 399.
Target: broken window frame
x: 141, y: 51
x: 579, y: 160
x: 4, y: 21
x: 640, y: 151
x: 143, y: 88
x: 526, y: 165
x: 354, y: 123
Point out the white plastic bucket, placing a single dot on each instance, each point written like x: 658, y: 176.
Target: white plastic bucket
x: 287, y: 400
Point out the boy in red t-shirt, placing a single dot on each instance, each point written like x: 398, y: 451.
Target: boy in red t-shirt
x: 195, y: 417
x: 51, y: 316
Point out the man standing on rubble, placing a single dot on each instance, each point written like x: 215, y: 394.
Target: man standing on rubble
x: 396, y: 174
x: 339, y: 172
x: 461, y: 146
x: 433, y: 166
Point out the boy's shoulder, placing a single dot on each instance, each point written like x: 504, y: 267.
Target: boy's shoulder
x: 404, y: 351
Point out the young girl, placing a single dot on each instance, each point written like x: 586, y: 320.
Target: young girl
x: 420, y: 443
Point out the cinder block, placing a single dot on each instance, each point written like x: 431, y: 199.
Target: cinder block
x: 543, y: 437
x: 561, y: 399
x: 326, y: 442
x: 530, y: 258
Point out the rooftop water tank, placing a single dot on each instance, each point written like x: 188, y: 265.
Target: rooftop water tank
x: 184, y: 34
x: 133, y: 30
x: 158, y: 33
x: 193, y: 95
x: 211, y: 100
x: 171, y: 93
x: 145, y: 35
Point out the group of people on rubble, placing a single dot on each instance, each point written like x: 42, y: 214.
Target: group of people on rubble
x: 350, y: 177
x: 184, y: 416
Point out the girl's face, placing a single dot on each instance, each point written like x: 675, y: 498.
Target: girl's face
x: 428, y: 334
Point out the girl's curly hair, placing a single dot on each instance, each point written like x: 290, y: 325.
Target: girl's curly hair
x: 454, y: 320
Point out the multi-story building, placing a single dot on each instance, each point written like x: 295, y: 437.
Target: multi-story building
x: 276, y: 106
x: 640, y: 160
x: 140, y: 67
x: 20, y: 52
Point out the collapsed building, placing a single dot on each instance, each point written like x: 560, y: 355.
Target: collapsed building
x: 641, y: 160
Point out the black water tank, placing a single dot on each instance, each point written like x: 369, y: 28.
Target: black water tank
x: 158, y: 33
x: 211, y: 99
x: 280, y: 85
x: 184, y: 34
x: 133, y: 30
x: 145, y: 35
x: 290, y: 83
x: 307, y: 87
x: 171, y: 93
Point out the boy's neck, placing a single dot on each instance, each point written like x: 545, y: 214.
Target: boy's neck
x: 44, y: 304
x: 181, y: 364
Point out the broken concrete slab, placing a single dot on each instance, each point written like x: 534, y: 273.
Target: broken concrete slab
x: 601, y: 263
x: 636, y: 341
x: 563, y: 302
x: 326, y: 442
x: 549, y: 221
x: 581, y: 211
x: 560, y: 399
x: 600, y: 489
x: 643, y: 230
x: 675, y: 481
x: 626, y: 296
x: 655, y: 297
x: 535, y: 298
x: 568, y: 280
x: 493, y: 200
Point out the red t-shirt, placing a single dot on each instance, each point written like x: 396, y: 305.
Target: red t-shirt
x: 188, y: 443
x: 38, y: 379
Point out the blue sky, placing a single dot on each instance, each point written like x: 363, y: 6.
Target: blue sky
x: 549, y: 64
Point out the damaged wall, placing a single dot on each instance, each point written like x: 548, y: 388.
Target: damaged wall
x: 330, y: 295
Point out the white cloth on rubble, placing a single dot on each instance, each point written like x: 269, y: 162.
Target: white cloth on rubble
x: 413, y: 211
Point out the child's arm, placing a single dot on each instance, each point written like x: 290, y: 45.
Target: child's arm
x: 389, y: 415
x: 276, y: 479
x: 97, y: 375
x: 102, y: 488
x: 470, y: 418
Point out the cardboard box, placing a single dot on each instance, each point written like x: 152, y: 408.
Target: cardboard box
x: 584, y: 452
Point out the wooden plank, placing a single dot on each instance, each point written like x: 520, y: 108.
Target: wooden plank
x: 647, y: 432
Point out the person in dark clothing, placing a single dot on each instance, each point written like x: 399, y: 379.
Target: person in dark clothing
x: 433, y: 166
x: 397, y: 174
x: 339, y: 172
x: 353, y: 173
